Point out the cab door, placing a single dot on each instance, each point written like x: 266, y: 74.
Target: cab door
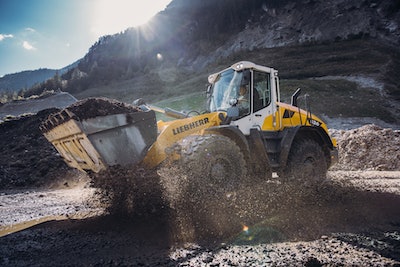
x: 261, y: 99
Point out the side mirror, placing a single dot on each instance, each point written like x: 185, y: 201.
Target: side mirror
x: 233, y: 102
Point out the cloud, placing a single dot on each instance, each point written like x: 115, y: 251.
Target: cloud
x: 30, y: 29
x: 28, y: 46
x: 4, y: 36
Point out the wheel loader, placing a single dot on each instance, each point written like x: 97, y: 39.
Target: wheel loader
x: 245, y: 132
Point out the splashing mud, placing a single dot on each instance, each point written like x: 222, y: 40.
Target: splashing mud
x: 128, y: 191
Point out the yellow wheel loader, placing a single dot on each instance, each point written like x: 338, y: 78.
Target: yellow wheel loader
x: 246, y: 132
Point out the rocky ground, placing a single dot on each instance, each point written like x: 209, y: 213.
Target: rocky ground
x: 352, y: 221
x: 59, y: 220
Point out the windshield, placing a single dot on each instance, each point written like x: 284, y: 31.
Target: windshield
x: 225, y: 88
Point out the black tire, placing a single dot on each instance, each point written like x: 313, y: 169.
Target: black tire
x: 214, y: 163
x: 306, y: 164
x: 212, y: 167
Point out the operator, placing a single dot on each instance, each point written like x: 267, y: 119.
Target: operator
x: 243, y: 100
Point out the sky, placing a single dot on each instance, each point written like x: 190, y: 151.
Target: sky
x: 55, y: 33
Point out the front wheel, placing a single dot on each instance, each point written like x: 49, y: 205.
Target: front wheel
x: 211, y: 168
x: 214, y: 162
x: 306, y: 164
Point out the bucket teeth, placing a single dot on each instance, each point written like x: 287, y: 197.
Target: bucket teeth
x: 56, y: 119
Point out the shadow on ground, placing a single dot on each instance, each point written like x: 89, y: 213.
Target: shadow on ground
x: 273, y: 213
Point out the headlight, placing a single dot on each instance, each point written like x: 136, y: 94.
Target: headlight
x: 239, y: 66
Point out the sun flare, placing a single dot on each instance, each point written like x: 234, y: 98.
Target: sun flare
x: 114, y: 16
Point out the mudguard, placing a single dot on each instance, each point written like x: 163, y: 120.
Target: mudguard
x: 308, y: 132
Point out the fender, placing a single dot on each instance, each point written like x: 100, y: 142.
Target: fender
x: 307, y: 132
x: 286, y: 144
x: 259, y: 155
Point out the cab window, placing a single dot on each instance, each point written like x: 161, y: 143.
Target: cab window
x: 262, y: 90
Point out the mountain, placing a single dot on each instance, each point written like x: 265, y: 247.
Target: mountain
x: 26, y: 79
x: 197, y: 34
x: 341, y: 49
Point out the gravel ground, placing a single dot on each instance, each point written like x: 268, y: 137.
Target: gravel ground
x: 29, y: 205
x: 358, y: 225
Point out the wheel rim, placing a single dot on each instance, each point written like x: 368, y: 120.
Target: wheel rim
x: 309, y: 167
x: 219, y: 171
x: 306, y: 163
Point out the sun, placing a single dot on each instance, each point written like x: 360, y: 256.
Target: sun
x: 113, y: 16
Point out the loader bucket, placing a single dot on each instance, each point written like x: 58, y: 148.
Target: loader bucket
x: 101, y: 141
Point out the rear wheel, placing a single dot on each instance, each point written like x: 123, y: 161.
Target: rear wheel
x: 306, y: 163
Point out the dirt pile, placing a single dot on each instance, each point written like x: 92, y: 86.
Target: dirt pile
x: 27, y: 158
x: 87, y: 109
x: 369, y: 147
x: 93, y: 107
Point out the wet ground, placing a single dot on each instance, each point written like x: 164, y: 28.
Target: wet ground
x: 354, y: 220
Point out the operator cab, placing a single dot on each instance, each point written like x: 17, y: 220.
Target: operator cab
x: 246, y: 92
